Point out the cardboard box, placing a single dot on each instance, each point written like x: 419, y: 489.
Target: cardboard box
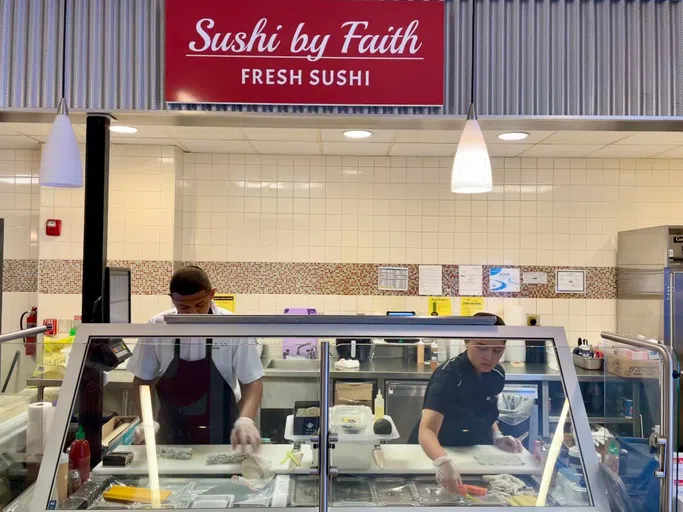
x: 631, y: 369
x: 634, y: 355
x: 353, y: 393
x: 123, y: 437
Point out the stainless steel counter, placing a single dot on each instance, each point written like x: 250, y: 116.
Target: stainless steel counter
x: 399, y: 369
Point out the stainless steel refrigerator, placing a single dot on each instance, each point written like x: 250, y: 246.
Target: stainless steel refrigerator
x: 650, y: 286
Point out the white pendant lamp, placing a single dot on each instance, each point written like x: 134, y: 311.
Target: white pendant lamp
x: 471, y: 167
x: 60, y: 162
x: 471, y: 172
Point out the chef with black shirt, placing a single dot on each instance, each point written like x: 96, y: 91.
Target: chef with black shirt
x: 461, y: 407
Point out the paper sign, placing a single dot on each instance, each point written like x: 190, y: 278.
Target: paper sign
x: 225, y: 301
x: 470, y: 279
x: 570, y: 281
x: 535, y: 278
x: 393, y: 278
x: 431, y: 279
x: 504, y: 280
x: 469, y: 306
x: 440, y: 306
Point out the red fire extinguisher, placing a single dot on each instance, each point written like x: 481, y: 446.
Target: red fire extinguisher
x: 31, y: 321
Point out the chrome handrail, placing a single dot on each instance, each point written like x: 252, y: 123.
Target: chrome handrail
x: 17, y: 335
x: 666, y: 418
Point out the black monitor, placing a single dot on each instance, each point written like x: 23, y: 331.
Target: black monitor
x: 116, y: 299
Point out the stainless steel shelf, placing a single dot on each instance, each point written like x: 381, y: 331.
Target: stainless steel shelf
x: 598, y: 419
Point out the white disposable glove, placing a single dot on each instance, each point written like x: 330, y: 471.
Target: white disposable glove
x: 507, y: 443
x: 245, y: 433
x: 447, y: 475
x: 139, y: 435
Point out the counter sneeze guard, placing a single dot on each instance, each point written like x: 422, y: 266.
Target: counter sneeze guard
x: 328, y: 449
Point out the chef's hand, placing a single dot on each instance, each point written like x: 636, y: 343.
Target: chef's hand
x: 447, y: 475
x: 245, y: 433
x: 508, y: 443
x: 139, y: 435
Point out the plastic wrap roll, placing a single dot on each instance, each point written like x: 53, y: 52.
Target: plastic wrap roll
x: 39, y: 421
x: 515, y: 351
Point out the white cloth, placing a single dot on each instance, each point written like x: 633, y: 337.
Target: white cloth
x: 236, y: 359
x: 347, y: 364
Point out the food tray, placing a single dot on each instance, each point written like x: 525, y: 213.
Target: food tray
x: 429, y: 493
x: 367, y: 437
x: 352, y: 490
x: 587, y: 363
x: 304, y: 492
x: 213, y: 501
x: 394, y: 492
x: 351, y: 419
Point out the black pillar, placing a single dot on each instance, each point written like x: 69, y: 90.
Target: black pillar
x: 90, y: 396
x: 96, y: 213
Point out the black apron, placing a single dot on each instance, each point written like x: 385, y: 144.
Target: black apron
x: 467, y: 430
x: 197, y: 405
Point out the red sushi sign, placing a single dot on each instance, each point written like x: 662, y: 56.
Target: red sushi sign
x: 305, y: 52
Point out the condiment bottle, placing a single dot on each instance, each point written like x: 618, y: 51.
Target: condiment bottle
x: 434, y: 363
x: 63, y: 477
x: 379, y: 405
x: 79, y: 455
x: 420, y: 352
x: 612, y: 457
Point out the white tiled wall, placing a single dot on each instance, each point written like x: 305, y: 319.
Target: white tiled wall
x: 142, y: 306
x: 19, y: 207
x: 401, y: 210
x: 141, y: 208
x: 20, y: 202
x: 141, y: 221
x: 550, y: 212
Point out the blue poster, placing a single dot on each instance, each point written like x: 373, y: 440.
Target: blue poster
x: 504, y: 280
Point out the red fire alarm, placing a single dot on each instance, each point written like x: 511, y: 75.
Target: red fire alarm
x: 53, y: 227
x: 51, y: 324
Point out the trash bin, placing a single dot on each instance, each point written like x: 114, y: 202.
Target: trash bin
x: 515, y: 415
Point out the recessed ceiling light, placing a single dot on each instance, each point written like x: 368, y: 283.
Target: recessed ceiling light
x: 122, y: 129
x: 357, y: 134
x: 513, y: 136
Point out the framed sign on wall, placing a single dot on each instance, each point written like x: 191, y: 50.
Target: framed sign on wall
x: 305, y: 52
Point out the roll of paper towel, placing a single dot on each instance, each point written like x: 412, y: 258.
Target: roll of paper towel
x: 39, y: 421
x: 515, y: 351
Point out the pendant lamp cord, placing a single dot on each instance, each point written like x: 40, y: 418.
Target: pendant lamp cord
x: 474, y: 44
x: 66, y: 2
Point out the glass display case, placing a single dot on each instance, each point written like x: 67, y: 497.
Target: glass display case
x: 177, y: 434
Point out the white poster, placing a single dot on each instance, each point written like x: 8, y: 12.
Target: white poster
x: 393, y: 278
x: 470, y: 279
x: 535, y: 278
x: 504, y: 280
x: 570, y: 281
x: 431, y: 279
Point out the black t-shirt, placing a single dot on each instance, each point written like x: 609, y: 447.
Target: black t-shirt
x: 468, y: 402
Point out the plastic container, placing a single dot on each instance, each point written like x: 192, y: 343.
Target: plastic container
x: 420, y: 352
x: 575, y: 459
x: 79, y: 455
x: 351, y: 419
x: 379, y: 405
x: 612, y: 457
x: 213, y: 501
x: 434, y: 362
x: 63, y: 477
